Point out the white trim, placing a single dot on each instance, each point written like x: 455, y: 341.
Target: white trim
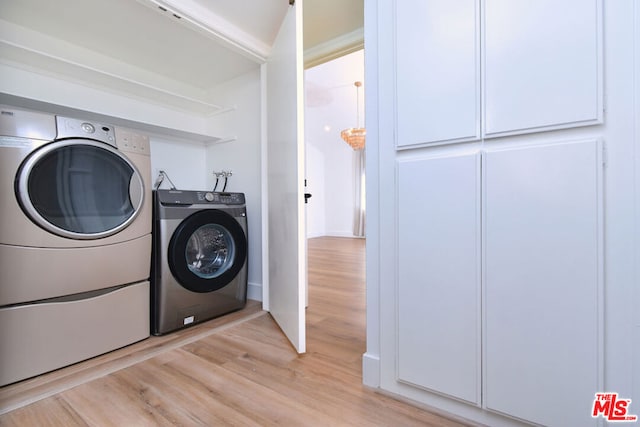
x: 223, y: 140
x: 264, y: 152
x: 339, y: 234
x: 334, y: 48
x: 372, y: 376
x: 254, y: 291
x: 313, y: 235
x: 371, y: 370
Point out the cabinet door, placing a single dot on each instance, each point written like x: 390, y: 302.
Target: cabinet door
x: 437, y: 71
x: 439, y: 275
x: 543, y: 271
x: 542, y: 65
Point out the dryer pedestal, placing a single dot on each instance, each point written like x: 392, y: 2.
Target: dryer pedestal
x: 40, y: 337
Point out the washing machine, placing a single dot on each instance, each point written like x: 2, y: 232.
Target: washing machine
x: 199, y: 265
x: 75, y: 240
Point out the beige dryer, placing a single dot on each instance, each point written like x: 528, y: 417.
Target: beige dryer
x: 75, y: 240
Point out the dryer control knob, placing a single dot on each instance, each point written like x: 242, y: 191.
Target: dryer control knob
x: 208, y: 197
x: 88, y: 127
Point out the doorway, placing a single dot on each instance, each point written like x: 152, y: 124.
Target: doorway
x: 334, y: 170
x: 335, y: 214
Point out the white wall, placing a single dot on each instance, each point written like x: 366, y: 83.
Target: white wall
x: 315, y: 208
x: 184, y: 163
x: 241, y: 156
x: 330, y: 107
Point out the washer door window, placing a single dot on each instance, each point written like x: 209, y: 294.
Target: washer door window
x: 207, y: 251
x: 79, y: 189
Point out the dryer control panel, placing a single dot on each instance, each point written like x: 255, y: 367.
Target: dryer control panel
x: 75, y: 128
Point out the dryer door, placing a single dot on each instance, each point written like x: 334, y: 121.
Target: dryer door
x: 207, y: 251
x: 79, y: 189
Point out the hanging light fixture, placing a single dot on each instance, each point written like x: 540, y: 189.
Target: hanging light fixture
x: 355, y: 136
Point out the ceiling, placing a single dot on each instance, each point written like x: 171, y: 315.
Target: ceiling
x: 327, y: 20
x: 179, y: 49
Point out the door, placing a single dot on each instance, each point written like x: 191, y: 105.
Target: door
x: 80, y: 189
x: 207, y: 251
x: 286, y: 269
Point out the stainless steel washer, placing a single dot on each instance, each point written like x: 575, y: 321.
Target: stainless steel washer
x: 199, y: 263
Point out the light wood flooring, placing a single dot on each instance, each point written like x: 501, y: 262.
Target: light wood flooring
x: 235, y: 370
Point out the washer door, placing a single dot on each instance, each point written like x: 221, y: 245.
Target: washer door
x: 79, y: 189
x: 207, y: 251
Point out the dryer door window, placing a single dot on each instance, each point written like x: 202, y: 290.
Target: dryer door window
x: 80, y: 189
x: 207, y: 251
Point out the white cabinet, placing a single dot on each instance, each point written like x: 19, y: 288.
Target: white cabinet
x: 556, y: 236
x: 542, y: 65
x: 541, y: 68
x: 543, y: 272
x: 439, y: 275
x: 508, y: 261
x: 438, y: 63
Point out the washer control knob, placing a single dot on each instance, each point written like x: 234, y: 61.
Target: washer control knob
x: 208, y: 197
x: 88, y: 127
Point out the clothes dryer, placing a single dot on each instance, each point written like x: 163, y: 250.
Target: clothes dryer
x: 75, y: 240
x: 199, y: 264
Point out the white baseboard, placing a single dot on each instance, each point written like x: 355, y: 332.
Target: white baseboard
x: 254, y: 291
x: 333, y: 234
x: 312, y: 235
x: 371, y: 370
x: 339, y: 234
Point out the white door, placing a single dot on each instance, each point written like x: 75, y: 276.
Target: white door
x: 287, y: 267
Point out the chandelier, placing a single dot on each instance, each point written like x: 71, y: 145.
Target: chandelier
x: 355, y: 136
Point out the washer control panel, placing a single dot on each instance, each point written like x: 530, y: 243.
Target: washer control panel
x: 188, y: 197
x: 221, y: 198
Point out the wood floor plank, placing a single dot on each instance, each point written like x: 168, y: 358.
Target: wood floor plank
x: 52, y: 412
x: 245, y: 395
x: 182, y: 403
x: 237, y: 370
